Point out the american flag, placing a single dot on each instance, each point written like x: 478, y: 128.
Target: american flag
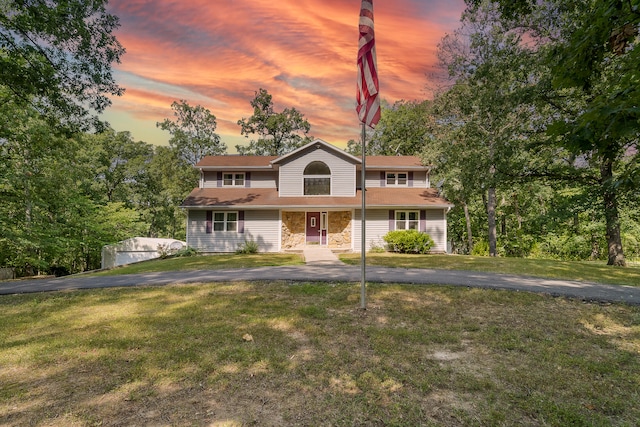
x: 368, y: 100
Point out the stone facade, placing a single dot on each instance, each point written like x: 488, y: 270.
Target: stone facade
x: 293, y: 229
x: 339, y: 230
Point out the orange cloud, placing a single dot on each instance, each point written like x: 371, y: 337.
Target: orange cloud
x: 218, y: 53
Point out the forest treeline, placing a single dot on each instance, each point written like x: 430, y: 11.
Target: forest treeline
x: 533, y: 136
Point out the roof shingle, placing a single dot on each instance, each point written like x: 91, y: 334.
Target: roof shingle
x: 258, y: 198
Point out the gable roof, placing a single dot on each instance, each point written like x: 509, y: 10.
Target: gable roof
x: 318, y: 143
x: 227, y: 162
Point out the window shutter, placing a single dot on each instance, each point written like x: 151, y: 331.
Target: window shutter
x: 247, y: 179
x: 383, y: 179
x: 219, y: 179
x: 240, y: 221
x: 392, y: 220
x: 410, y: 183
x: 209, y: 222
x: 423, y: 221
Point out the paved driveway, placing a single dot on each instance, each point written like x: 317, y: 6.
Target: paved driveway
x: 332, y: 272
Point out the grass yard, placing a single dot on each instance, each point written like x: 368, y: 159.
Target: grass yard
x: 207, y: 262
x: 588, y: 271
x: 419, y: 355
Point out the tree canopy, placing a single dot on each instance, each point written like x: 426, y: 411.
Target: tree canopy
x: 571, y: 69
x: 56, y: 56
x: 277, y: 133
x: 193, y: 132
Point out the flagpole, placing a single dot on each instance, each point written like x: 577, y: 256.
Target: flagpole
x: 368, y: 109
x: 363, y: 226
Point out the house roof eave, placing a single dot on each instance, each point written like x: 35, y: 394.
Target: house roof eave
x: 321, y: 142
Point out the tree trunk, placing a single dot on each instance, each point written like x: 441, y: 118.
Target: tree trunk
x: 612, y: 218
x: 467, y: 219
x: 491, y: 214
x: 517, y: 210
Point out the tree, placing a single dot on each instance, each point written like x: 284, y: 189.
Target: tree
x: 118, y: 165
x: 56, y: 57
x: 403, y: 130
x: 592, y: 54
x: 50, y: 219
x: 480, y: 121
x: 168, y: 181
x: 193, y: 132
x: 278, y: 133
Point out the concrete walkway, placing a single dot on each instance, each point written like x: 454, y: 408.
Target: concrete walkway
x: 338, y: 272
x: 320, y: 255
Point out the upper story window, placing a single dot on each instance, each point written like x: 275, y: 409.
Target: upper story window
x: 317, y: 179
x: 233, y: 179
x: 397, y: 179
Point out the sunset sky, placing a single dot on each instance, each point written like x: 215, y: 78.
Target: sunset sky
x: 218, y: 53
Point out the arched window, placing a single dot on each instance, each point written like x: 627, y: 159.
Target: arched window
x: 317, y: 179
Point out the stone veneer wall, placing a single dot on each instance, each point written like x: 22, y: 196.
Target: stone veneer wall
x: 293, y: 228
x: 339, y: 229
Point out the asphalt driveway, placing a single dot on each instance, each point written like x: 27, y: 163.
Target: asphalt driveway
x: 337, y: 272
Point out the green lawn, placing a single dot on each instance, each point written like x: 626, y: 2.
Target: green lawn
x: 574, y: 270
x: 207, y: 262
x: 588, y: 271
x: 439, y: 356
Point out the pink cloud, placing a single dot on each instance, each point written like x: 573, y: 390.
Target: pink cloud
x: 303, y: 52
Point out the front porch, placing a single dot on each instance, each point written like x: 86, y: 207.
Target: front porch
x: 331, y: 229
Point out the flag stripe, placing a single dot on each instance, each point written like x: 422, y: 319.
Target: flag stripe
x: 368, y: 100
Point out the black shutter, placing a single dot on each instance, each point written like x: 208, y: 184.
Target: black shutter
x: 209, y: 222
x: 240, y: 221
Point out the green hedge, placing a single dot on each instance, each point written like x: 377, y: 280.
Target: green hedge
x: 408, y: 241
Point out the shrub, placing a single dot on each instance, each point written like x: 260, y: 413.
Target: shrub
x: 518, y: 245
x: 248, y: 247
x: 408, y: 241
x: 186, y: 252
x: 480, y: 248
x: 163, y: 250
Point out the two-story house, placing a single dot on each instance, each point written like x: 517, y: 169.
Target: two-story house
x: 311, y: 196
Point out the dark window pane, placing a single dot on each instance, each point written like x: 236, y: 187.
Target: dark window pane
x: 317, y: 186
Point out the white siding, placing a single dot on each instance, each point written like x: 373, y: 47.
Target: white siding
x: 378, y: 226
x: 257, y: 179
x: 259, y: 226
x: 436, y: 227
x: 343, y: 174
x: 210, y: 179
x: 420, y: 179
x: 263, y: 179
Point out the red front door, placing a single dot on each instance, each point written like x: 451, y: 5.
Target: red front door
x: 313, y: 228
